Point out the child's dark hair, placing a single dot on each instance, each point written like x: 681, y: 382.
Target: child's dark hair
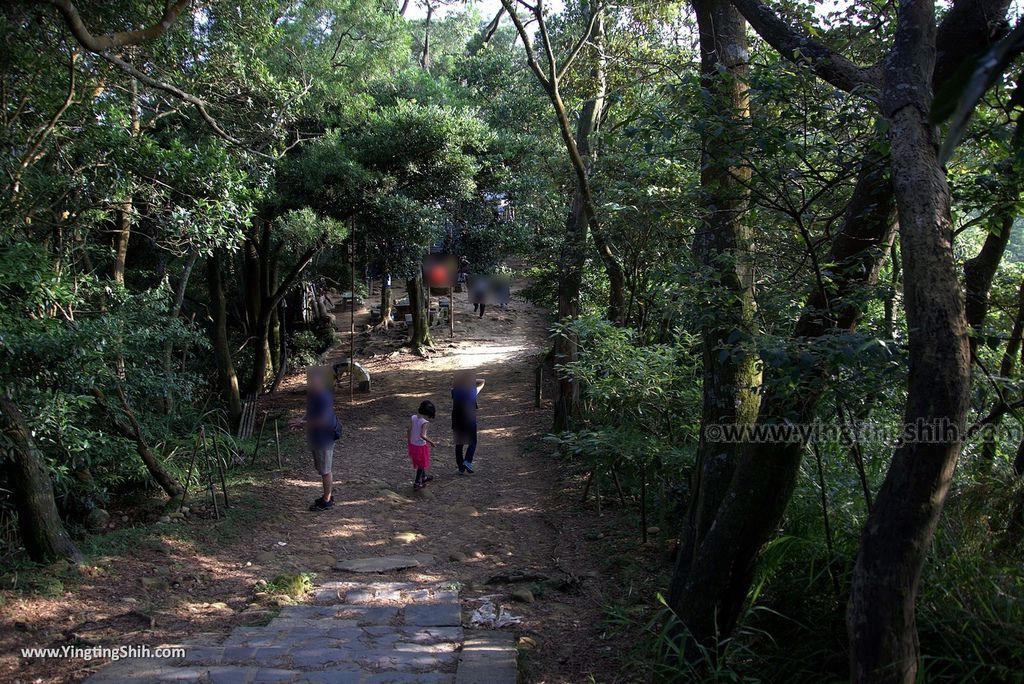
x: 427, y: 409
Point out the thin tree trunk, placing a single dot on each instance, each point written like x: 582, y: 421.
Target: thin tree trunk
x: 579, y: 147
x: 122, y: 233
x: 573, y: 256
x: 1006, y: 366
x: 570, y: 279
x: 425, y: 54
x: 387, y: 301
x: 123, y: 230
x: 176, y: 304
x: 133, y: 431
x: 39, y: 523
x: 881, y: 614
x: 226, y: 377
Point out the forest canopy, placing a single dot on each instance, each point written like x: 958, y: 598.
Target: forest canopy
x: 778, y: 244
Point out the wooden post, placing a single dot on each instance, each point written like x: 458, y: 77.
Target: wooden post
x: 277, y: 442
x: 538, y: 385
x: 643, y: 504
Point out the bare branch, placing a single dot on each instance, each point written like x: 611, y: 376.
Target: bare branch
x: 531, y: 56
x: 44, y: 133
x: 177, y: 92
x: 105, y: 44
x: 575, y: 51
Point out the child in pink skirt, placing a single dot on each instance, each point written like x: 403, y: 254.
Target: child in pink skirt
x: 419, y: 443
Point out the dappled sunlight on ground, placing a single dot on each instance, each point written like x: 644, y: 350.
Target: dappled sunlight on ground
x: 205, y: 576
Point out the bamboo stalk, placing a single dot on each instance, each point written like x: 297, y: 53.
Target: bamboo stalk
x: 220, y: 470
x: 188, y: 477
x: 256, y: 447
x: 209, y: 477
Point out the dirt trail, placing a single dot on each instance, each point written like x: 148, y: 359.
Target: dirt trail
x: 508, y: 516
x: 511, y: 515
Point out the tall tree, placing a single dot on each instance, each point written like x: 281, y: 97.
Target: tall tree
x: 580, y: 144
x: 722, y: 249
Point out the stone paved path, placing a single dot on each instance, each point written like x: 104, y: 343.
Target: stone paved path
x: 353, y: 633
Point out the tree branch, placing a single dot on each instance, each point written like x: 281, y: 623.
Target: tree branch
x: 113, y: 41
x: 800, y: 48
x: 41, y: 137
x: 105, y: 45
x: 575, y: 51
x: 173, y: 90
x: 531, y: 57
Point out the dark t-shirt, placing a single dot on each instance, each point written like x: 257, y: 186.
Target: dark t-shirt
x: 323, y: 423
x: 464, y: 407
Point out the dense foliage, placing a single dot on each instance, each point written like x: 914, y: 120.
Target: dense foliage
x: 685, y: 216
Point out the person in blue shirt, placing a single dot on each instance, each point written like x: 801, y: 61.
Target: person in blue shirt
x: 322, y: 431
x: 464, y: 395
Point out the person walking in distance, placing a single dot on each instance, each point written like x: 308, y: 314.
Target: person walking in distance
x: 478, y: 294
x: 464, y: 405
x: 323, y: 430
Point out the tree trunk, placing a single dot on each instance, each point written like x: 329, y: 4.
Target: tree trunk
x: 387, y: 301
x: 571, y: 261
x: 979, y: 272
x: 42, y: 531
x: 570, y: 279
x: 586, y: 141
x: 123, y: 230
x: 260, y: 336
x: 708, y: 595
x: 425, y: 54
x: 721, y: 248
x: 226, y: 377
x: 122, y: 233
x: 881, y: 614
x: 420, y: 333
x: 716, y: 586
x: 175, y: 311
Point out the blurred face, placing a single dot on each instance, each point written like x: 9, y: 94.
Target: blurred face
x: 316, y: 379
x: 464, y: 379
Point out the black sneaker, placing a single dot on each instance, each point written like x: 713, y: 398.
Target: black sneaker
x: 321, y: 505
x: 469, y: 467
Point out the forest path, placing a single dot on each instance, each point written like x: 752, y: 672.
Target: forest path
x: 505, y: 521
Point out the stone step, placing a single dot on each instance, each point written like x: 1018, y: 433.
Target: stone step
x: 400, y: 658
x: 355, y: 633
x: 385, y: 593
x: 488, y: 658
x: 142, y: 672
x: 339, y: 637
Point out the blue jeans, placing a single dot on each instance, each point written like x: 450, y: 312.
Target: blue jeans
x: 462, y: 461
